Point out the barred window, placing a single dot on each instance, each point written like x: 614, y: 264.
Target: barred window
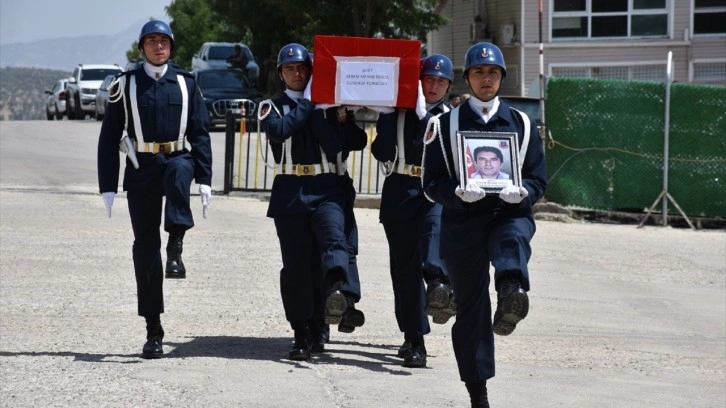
x: 710, y: 72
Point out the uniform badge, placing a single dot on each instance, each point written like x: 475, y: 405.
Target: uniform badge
x: 484, y: 53
x: 438, y: 66
x: 290, y: 52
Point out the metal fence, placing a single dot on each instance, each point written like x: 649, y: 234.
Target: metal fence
x: 249, y: 165
x: 604, y: 148
x: 605, y: 145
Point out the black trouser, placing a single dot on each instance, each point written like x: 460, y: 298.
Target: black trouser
x: 145, y: 208
x: 414, y: 250
x: 302, y: 237
x: 503, y: 243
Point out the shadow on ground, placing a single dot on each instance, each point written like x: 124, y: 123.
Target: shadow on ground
x: 371, y: 357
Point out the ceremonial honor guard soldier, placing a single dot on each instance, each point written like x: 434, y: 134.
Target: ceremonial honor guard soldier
x: 481, y: 229
x: 162, y: 110
x: 308, y: 205
x: 411, y: 222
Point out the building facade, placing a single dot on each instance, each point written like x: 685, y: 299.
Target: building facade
x: 608, y: 39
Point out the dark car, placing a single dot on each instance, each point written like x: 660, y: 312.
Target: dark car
x: 227, y: 90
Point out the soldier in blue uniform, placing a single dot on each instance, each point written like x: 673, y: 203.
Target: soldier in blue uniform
x: 411, y: 222
x: 161, y: 108
x: 479, y: 229
x: 308, y: 204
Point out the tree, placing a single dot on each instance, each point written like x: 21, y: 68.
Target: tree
x: 134, y: 54
x: 286, y: 21
x: 193, y: 22
x: 266, y: 25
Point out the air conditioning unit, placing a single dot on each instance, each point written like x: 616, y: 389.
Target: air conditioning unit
x: 506, y: 34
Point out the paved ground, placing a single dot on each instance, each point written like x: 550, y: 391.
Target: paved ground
x: 620, y: 317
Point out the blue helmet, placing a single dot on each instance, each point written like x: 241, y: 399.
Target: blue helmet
x: 484, y: 53
x: 438, y: 65
x: 155, y: 27
x: 293, y: 52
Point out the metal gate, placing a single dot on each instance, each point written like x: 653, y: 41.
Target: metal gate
x: 249, y: 166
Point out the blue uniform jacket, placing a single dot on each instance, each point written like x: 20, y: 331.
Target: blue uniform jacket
x: 159, y: 104
x: 402, y: 195
x: 304, y: 130
x: 440, y: 186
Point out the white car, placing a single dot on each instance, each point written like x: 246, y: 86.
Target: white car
x: 213, y: 55
x: 82, y: 88
x: 55, y: 103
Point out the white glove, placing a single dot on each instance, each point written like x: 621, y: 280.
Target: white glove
x: 205, y: 192
x: 108, y: 200
x: 471, y: 193
x: 308, y: 92
x: 513, y: 194
x: 421, y: 103
x: 381, y: 109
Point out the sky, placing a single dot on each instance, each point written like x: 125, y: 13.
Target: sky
x: 32, y: 20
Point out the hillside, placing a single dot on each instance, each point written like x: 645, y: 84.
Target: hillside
x: 22, y: 92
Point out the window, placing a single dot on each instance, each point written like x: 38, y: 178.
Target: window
x: 610, y: 18
x: 712, y: 72
x: 221, y: 52
x: 709, y: 17
x: 97, y: 74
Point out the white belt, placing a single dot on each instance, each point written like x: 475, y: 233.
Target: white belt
x: 309, y: 169
x: 156, y: 148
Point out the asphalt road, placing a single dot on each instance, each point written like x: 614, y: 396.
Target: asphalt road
x: 620, y: 316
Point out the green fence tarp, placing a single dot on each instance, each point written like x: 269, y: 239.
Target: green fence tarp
x: 605, y: 145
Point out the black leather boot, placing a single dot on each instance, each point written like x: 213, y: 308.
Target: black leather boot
x: 300, y: 350
x: 478, y: 394
x: 405, y: 348
x: 447, y: 312
x: 319, y: 335
x: 351, y: 318
x: 335, y: 304
x: 416, y: 358
x: 154, y: 336
x: 174, y: 266
x: 437, y: 296
x: 440, y: 301
x: 512, y: 306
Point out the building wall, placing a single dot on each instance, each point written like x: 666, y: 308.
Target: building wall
x: 601, y: 56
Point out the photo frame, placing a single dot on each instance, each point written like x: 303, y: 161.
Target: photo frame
x: 498, y: 163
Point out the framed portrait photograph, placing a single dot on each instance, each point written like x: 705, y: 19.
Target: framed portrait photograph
x: 489, y: 159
